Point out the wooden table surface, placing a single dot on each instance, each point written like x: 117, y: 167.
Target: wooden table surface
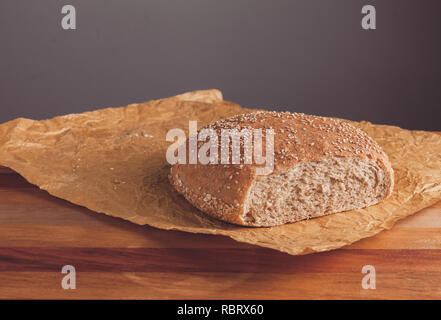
x: 114, y: 258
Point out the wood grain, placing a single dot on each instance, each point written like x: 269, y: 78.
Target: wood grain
x: 119, y: 260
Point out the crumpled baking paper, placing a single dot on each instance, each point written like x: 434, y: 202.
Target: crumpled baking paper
x: 113, y: 161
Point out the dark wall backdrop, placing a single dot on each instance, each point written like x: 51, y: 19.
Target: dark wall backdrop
x: 307, y: 56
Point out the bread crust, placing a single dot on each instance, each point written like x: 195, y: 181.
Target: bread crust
x: 220, y: 190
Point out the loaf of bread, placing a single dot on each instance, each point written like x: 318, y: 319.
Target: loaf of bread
x: 321, y: 166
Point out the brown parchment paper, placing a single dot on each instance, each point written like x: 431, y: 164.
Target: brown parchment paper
x: 113, y: 161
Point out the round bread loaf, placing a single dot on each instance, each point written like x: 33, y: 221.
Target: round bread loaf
x: 321, y: 166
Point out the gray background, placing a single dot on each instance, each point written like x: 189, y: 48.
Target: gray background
x: 306, y: 56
